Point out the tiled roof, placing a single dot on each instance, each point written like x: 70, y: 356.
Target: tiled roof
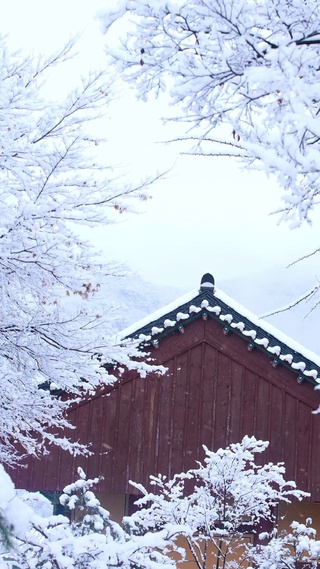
x: 212, y: 303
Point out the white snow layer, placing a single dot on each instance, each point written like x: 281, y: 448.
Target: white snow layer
x: 291, y: 344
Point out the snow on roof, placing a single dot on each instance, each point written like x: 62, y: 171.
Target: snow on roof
x: 269, y: 328
x: 143, y: 322
x: 235, y: 317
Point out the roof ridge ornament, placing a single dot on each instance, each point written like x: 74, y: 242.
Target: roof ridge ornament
x: 207, y: 283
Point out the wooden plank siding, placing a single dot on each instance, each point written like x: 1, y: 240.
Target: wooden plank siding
x: 215, y: 391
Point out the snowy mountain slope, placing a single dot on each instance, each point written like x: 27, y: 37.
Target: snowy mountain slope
x: 279, y: 287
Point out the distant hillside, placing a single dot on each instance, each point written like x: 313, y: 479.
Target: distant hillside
x: 279, y: 287
x: 130, y: 298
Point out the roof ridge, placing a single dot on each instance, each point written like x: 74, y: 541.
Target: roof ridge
x: 235, y: 318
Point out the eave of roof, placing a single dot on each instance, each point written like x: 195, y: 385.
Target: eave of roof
x: 235, y: 319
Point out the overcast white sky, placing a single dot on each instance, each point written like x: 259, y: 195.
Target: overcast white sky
x: 207, y: 215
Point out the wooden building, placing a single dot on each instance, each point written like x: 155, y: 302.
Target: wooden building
x: 229, y: 374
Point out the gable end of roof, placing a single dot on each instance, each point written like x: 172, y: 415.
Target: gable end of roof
x: 237, y: 320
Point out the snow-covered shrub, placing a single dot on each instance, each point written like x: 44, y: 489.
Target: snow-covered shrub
x: 89, y: 540
x: 205, y: 515
x: 212, y: 510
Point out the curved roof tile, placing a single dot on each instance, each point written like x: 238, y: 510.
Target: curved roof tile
x: 212, y: 303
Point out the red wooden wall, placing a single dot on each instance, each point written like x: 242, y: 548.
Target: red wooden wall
x: 214, y: 392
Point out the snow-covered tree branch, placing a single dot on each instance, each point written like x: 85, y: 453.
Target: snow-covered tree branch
x: 205, y: 516
x: 91, y: 540
x: 218, y: 502
x: 297, y: 548
x: 55, y: 329
x: 245, y: 75
x: 209, y: 513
